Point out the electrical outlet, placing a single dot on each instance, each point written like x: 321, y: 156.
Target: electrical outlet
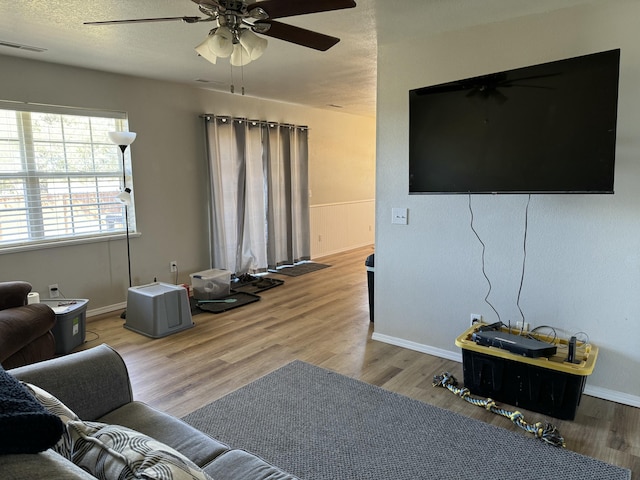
x: 173, y: 266
x: 476, y: 318
x: 522, y: 326
x: 53, y: 291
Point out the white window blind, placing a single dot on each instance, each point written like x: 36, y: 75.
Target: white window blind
x: 59, y: 175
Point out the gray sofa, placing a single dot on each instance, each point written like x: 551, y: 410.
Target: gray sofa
x: 95, y: 384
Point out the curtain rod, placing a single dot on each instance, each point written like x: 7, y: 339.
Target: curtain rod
x: 226, y: 118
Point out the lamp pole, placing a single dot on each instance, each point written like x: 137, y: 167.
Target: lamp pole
x: 126, y: 212
x: 123, y: 140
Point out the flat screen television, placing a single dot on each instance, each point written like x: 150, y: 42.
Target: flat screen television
x: 548, y: 128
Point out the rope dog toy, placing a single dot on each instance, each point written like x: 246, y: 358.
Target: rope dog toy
x: 544, y: 431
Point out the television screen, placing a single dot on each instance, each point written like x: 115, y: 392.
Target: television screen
x: 548, y: 128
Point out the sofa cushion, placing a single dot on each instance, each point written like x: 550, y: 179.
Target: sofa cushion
x: 91, y: 382
x: 42, y: 348
x: 236, y: 464
x: 112, y: 451
x: 21, y: 326
x: 194, y: 444
x: 26, y: 426
x: 47, y: 464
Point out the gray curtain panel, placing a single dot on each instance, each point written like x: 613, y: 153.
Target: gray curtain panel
x: 259, y: 185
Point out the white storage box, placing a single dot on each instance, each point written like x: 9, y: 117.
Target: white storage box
x: 158, y: 309
x: 211, y: 284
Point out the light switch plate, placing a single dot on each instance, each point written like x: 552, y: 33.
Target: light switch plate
x: 399, y: 216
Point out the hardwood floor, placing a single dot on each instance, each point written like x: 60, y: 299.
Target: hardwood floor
x: 323, y: 318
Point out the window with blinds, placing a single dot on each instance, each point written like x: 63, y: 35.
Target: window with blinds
x: 60, y: 175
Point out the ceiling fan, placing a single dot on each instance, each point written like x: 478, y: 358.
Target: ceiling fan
x: 238, y: 20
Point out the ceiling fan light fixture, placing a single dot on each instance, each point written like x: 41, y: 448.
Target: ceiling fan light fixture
x: 221, y: 42
x: 240, y: 56
x: 205, y: 52
x: 253, y: 44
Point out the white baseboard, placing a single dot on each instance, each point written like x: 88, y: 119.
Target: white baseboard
x: 612, y: 395
x: 598, y: 392
x: 418, y: 347
x: 342, y: 249
x: 107, y: 309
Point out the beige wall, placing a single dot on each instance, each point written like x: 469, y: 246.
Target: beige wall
x: 583, y: 262
x: 170, y: 173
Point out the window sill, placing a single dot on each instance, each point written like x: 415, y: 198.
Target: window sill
x: 66, y: 243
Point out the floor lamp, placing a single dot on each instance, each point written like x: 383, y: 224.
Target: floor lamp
x: 123, y: 140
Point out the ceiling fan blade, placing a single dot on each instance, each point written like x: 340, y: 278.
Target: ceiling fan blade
x: 297, y: 35
x: 290, y: 8
x: 142, y: 20
x: 210, y: 3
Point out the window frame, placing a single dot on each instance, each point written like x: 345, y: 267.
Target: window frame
x: 31, y: 181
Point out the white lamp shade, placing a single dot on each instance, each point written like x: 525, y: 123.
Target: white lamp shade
x: 205, y: 52
x: 122, y: 138
x: 221, y: 42
x: 240, y: 56
x: 253, y: 44
x: 124, y: 197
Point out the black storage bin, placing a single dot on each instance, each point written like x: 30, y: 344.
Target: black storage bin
x: 71, y: 320
x: 369, y: 263
x: 548, y: 385
x: 526, y: 386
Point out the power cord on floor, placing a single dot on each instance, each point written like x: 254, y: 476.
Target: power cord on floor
x: 97, y: 336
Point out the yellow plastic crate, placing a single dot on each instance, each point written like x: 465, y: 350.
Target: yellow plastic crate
x: 551, y: 386
x: 585, y: 353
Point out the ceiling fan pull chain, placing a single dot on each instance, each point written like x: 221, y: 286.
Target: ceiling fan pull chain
x: 242, y: 77
x: 233, y: 88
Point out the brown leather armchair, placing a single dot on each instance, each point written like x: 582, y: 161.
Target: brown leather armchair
x: 25, y: 330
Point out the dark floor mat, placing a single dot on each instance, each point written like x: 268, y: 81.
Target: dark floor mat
x: 255, y: 284
x: 219, y: 306
x: 300, y: 269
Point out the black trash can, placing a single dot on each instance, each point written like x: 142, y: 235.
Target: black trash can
x: 370, y: 270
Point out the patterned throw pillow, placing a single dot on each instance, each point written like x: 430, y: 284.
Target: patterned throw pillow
x: 112, y: 451
x: 56, y: 407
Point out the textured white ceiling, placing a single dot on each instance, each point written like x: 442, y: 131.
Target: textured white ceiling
x: 345, y: 75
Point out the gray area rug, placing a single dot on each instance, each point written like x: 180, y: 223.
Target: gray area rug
x: 300, y: 269
x: 318, y: 424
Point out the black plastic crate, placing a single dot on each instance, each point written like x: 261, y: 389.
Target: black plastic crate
x: 549, y: 385
x: 71, y: 318
x: 541, y: 390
